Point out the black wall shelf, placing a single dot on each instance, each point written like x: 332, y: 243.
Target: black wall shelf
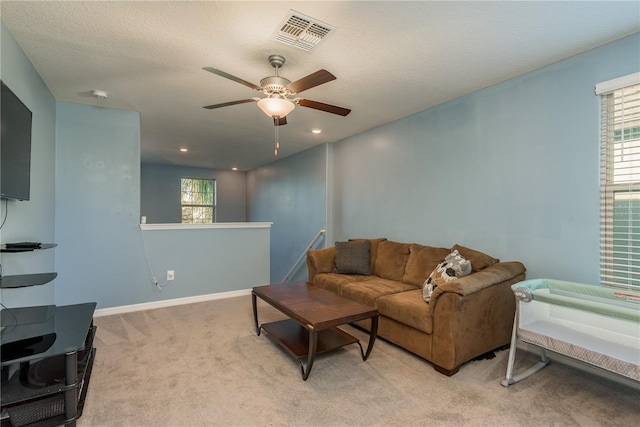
x: 10, y: 249
x: 23, y: 280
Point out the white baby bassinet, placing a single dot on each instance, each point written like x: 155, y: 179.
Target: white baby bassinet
x: 596, y: 325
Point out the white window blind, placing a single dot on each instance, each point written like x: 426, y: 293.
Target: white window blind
x: 620, y: 183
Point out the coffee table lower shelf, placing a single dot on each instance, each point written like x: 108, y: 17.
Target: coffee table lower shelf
x: 295, y: 339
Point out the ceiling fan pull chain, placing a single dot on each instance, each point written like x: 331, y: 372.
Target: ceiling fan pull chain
x: 275, y: 152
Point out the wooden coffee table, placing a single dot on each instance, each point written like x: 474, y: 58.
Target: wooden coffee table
x: 314, y: 314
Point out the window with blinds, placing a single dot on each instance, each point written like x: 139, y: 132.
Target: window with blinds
x: 620, y: 183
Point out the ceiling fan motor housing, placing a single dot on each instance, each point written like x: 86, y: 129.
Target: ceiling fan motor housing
x: 275, y: 85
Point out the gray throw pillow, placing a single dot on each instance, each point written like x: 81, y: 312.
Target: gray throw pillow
x: 353, y: 257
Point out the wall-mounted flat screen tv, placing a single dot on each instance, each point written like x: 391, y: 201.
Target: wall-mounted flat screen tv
x: 15, y: 146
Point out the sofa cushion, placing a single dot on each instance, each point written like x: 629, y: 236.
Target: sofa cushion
x: 323, y: 260
x: 373, y: 251
x: 453, y: 267
x: 479, y: 260
x: 353, y: 257
x: 421, y: 262
x: 391, y: 260
x: 407, y: 308
x: 333, y: 282
x: 368, y: 291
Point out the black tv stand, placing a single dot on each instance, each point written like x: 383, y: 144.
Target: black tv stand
x: 46, y: 380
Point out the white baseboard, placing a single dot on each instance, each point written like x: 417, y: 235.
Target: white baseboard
x: 169, y: 303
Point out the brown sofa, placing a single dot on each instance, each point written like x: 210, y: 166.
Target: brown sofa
x: 465, y: 318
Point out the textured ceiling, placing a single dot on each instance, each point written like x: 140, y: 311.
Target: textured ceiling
x: 391, y: 59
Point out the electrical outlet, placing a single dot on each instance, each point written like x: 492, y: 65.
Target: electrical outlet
x: 171, y: 275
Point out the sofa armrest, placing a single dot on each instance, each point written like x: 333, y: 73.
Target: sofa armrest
x: 474, y: 314
x: 321, y: 261
x: 490, y: 276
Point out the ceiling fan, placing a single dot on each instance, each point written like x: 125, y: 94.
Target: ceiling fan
x: 279, y: 91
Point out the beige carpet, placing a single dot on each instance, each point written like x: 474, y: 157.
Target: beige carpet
x: 203, y: 365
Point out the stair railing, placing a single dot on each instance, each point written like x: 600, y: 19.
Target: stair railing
x: 303, y: 255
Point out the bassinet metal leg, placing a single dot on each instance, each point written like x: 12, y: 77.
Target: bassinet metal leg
x: 511, y: 378
x: 512, y: 353
x: 544, y: 361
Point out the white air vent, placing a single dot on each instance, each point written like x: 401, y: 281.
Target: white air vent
x: 302, y: 31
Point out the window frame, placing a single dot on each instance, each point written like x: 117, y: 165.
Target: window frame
x: 612, y: 145
x: 213, y: 204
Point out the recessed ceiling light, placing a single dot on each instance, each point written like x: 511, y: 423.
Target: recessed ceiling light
x: 184, y: 150
x: 234, y: 169
x: 316, y: 130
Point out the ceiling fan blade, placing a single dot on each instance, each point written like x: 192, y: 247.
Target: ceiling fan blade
x: 279, y: 121
x: 323, y: 107
x: 226, y: 104
x: 312, y: 80
x: 234, y: 78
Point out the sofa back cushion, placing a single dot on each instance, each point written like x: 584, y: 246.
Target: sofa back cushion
x: 479, y: 260
x: 391, y: 260
x: 373, y: 250
x: 421, y: 262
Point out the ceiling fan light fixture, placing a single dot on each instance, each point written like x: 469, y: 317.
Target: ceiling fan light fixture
x: 276, y: 107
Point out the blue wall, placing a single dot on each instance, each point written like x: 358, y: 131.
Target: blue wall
x: 30, y: 220
x: 209, y: 260
x: 160, y: 192
x: 291, y: 193
x: 100, y: 254
x: 511, y: 170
